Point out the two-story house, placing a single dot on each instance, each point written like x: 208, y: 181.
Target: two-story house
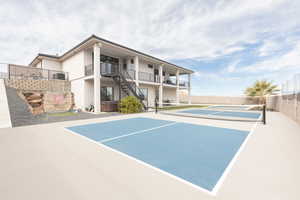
x: 102, y: 72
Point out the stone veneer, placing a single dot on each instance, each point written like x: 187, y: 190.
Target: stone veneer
x: 56, y: 95
x: 57, y: 101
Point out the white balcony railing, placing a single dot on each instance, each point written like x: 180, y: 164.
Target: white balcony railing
x: 149, y: 77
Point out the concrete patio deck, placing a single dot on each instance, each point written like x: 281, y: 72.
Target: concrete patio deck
x: 47, y: 162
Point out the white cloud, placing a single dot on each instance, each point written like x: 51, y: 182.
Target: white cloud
x: 268, y: 48
x: 232, y: 67
x: 168, y: 29
x: 290, y: 60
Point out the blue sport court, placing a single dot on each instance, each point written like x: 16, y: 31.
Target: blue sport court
x: 196, y: 153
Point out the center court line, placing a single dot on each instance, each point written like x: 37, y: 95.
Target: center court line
x: 137, y: 132
x: 215, y: 113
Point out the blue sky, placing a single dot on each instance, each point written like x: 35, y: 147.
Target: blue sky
x: 228, y: 43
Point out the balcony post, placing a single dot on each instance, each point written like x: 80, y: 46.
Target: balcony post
x: 136, y: 67
x: 177, y: 87
x: 189, y: 89
x: 97, y: 78
x: 160, y: 93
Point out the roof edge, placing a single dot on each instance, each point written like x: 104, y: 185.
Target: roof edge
x: 109, y: 42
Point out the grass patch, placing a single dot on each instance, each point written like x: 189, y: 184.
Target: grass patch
x: 62, y: 114
x: 182, y: 107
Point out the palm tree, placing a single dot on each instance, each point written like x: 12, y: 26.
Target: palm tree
x: 261, y: 89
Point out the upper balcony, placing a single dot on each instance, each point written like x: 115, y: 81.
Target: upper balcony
x: 108, y: 69
x: 112, y: 60
x: 9, y: 71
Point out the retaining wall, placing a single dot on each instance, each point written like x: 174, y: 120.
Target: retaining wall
x: 40, y: 85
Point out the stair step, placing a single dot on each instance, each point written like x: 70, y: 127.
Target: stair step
x: 18, y: 109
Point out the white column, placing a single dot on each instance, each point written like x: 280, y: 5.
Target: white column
x: 136, y: 68
x: 189, y: 89
x: 160, y: 94
x: 177, y: 87
x: 97, y: 78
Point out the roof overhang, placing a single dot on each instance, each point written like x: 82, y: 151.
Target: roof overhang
x: 87, y: 43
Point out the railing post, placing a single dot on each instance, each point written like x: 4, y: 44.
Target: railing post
x: 8, y: 70
x: 264, y: 114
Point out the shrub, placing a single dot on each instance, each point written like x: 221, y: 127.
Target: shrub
x: 130, y: 104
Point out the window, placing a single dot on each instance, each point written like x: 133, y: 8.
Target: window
x: 132, y: 61
x: 150, y: 66
x: 107, y: 94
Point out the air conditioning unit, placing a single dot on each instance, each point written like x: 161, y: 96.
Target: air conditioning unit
x: 59, y: 76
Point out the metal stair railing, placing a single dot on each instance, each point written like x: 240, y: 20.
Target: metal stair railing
x: 124, y: 75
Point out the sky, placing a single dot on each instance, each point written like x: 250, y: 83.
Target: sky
x: 228, y: 43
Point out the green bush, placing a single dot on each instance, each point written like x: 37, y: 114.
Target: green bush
x: 130, y: 104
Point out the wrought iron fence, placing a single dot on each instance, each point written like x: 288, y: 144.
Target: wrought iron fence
x: 109, y: 68
x: 130, y: 74
x: 183, y: 84
x: 170, y: 81
x: 9, y: 71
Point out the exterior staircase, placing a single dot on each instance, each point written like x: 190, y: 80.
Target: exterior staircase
x: 126, y: 83
x: 19, y: 111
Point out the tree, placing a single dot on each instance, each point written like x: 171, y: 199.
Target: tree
x: 261, y: 89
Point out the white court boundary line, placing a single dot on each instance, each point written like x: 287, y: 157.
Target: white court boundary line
x: 235, y: 158
x: 142, y: 163
x: 219, y: 182
x: 136, y: 132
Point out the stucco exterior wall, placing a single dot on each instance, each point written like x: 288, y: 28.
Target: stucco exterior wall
x: 143, y: 67
x: 88, y: 92
x: 38, y: 65
x: 169, y: 94
x: 51, y: 65
x: 77, y: 87
x: 75, y: 66
x: 88, y: 57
